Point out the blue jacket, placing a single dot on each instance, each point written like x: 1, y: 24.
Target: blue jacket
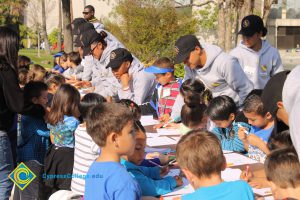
x: 149, y: 179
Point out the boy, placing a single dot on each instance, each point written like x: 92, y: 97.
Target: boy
x: 262, y: 123
x: 135, y: 84
x: 149, y: 178
x: 75, y: 69
x: 259, y: 60
x: 204, y: 172
x: 166, y: 91
x: 282, y: 169
x: 111, y: 127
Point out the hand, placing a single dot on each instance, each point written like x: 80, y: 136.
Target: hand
x: 178, y: 181
x: 158, y: 125
x: 173, y: 126
x: 125, y: 78
x: 164, y: 171
x: 164, y: 118
x: 246, y: 176
x: 241, y: 133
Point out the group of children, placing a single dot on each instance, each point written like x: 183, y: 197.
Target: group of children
x: 103, y: 143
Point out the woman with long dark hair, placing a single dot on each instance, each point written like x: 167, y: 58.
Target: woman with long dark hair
x: 11, y: 102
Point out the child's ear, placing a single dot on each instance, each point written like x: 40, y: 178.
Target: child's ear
x: 113, y: 139
x: 128, y: 64
x: 232, y: 116
x: 269, y: 115
x: 34, y: 100
x: 224, y: 163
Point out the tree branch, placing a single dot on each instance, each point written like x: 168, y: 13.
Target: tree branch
x: 180, y: 5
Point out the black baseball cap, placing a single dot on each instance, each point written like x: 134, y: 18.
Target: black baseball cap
x: 118, y: 56
x: 252, y: 24
x: 184, y: 46
x: 87, y: 39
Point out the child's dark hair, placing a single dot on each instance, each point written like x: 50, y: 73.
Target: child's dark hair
x: 164, y: 62
x: 64, y: 57
x: 253, y: 103
x: 88, y: 101
x: 221, y: 107
x: 33, y: 89
x: 200, y: 152
x: 74, y: 57
x: 65, y: 102
x: 192, y: 116
x: 282, y: 167
x: 279, y: 140
x: 107, y: 118
x: 23, y: 73
x: 24, y: 62
x: 134, y: 108
x: 194, y: 92
x: 36, y: 73
x: 53, y: 78
x: 138, y: 126
x: 100, y: 39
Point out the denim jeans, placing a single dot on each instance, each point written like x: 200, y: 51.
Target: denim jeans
x: 6, y: 166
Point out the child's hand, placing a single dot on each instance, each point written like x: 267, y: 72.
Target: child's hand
x: 178, y: 181
x: 164, y: 118
x: 158, y: 125
x: 241, y: 133
x: 164, y: 159
x: 164, y: 171
x: 173, y: 126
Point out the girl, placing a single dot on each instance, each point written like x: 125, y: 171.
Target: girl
x: 53, y: 82
x: 86, y: 151
x: 62, y: 122
x: 222, y: 111
x: 36, y: 73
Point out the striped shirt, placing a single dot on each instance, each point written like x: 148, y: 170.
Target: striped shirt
x: 86, y: 151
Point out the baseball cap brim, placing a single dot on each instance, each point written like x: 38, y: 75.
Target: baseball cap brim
x: 180, y: 57
x: 157, y: 70
x: 247, y: 33
x: 114, y: 64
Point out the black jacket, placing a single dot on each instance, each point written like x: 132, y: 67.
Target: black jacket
x: 11, y: 96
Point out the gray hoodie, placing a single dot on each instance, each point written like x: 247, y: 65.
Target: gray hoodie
x: 221, y: 74
x: 291, y: 102
x: 141, y: 86
x: 258, y: 66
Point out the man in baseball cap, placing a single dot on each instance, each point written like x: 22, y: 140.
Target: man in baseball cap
x: 136, y: 85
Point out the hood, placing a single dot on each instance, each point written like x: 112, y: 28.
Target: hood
x: 111, y: 45
x: 265, y: 46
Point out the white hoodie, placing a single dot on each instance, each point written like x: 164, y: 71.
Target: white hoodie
x: 258, y: 66
x: 291, y: 102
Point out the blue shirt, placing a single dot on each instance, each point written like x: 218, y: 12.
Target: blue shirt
x: 237, y: 190
x: 231, y: 143
x: 149, y: 179
x: 63, y: 132
x: 111, y: 181
x: 59, y: 68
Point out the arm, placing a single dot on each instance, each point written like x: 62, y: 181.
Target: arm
x: 88, y: 68
x: 176, y: 109
x: 257, y: 142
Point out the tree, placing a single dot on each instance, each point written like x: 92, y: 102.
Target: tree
x: 149, y: 28
x: 59, y: 27
x: 44, y: 28
x: 66, y: 11
x: 11, y: 11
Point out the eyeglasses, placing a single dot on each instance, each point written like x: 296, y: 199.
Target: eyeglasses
x: 91, y: 52
x: 85, y: 13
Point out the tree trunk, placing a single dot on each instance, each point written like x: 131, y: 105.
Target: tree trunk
x: 221, y: 25
x: 44, y: 28
x: 59, y: 27
x: 68, y: 41
x: 267, y: 9
x: 235, y: 23
x: 228, y: 33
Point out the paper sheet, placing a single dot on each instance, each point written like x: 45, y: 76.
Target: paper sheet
x: 226, y: 151
x: 231, y: 174
x: 151, y: 135
x: 262, y: 191
x: 148, y: 120
x: 185, y: 189
x: 235, y: 159
x: 160, y: 141
x: 173, y: 172
x: 165, y: 131
x: 176, y: 139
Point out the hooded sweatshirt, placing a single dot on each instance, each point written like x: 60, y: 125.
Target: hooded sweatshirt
x: 258, y: 66
x: 291, y: 103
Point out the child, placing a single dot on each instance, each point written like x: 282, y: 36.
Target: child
x: 222, y: 111
x: 111, y: 127
x: 204, y: 172
x: 74, y: 72
x: 34, y: 138
x: 261, y: 123
x: 54, y: 81
x: 23, y: 73
x: 280, y: 140
x: 57, y: 63
x: 135, y: 84
x: 282, y: 169
x: 36, y: 73
x: 24, y: 62
x: 134, y: 108
x: 86, y: 151
x: 62, y: 122
x: 149, y: 178
x: 166, y: 91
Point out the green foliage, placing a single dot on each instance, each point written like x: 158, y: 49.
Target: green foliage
x: 10, y: 11
x: 27, y: 34
x: 208, y: 17
x: 52, y: 37
x: 179, y: 70
x: 149, y: 28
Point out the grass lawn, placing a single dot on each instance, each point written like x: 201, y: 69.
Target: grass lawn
x: 45, y: 60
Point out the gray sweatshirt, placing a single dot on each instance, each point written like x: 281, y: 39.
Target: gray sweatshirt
x: 258, y: 66
x: 221, y: 74
x: 291, y: 102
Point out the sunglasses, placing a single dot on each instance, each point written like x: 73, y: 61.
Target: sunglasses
x: 85, y: 13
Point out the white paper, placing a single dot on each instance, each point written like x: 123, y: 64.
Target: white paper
x: 263, y: 191
x: 235, y: 159
x: 227, y: 151
x: 185, y: 189
x: 165, y: 131
x: 231, y: 174
x: 160, y: 141
x: 148, y: 120
x: 269, y: 198
x: 151, y: 135
x: 173, y: 172
x: 176, y: 139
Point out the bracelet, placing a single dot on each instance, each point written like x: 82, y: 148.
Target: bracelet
x: 125, y: 89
